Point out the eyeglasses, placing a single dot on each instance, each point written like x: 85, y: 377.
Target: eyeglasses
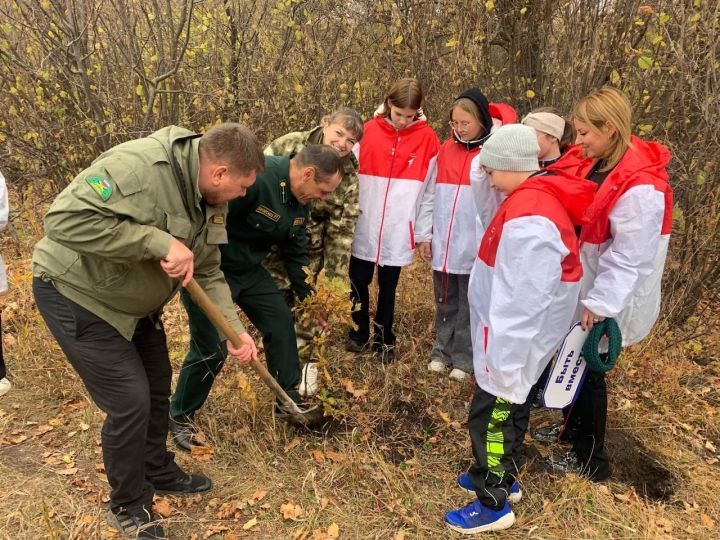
x: 453, y: 124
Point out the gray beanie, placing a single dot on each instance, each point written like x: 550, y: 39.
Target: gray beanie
x: 512, y: 147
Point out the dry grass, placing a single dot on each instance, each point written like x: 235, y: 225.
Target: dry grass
x: 385, y: 470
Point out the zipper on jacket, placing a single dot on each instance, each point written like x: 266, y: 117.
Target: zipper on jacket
x: 387, y: 190
x: 452, y: 215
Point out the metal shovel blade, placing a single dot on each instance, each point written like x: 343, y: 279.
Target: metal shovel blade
x: 287, y: 408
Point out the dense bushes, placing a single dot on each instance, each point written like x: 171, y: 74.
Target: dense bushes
x: 79, y: 76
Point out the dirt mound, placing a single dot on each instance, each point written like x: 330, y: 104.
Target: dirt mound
x: 640, y: 467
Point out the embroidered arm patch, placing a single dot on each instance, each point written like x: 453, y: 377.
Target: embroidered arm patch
x: 101, y: 185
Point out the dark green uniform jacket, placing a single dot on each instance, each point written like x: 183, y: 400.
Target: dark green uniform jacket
x: 268, y: 215
x: 108, y: 230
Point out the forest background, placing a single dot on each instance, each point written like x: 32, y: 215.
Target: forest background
x: 78, y: 76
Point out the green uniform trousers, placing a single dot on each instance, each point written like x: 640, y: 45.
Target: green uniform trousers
x: 259, y: 298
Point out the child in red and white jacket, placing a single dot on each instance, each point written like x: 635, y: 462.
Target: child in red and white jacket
x: 396, y: 158
x: 446, y: 215
x: 523, y: 293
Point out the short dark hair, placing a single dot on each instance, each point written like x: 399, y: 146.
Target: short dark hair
x: 323, y: 158
x: 234, y: 145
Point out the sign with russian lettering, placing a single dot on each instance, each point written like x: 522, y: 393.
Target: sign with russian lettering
x: 568, y: 371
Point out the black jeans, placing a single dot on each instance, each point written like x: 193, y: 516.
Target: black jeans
x: 497, y: 431
x: 587, y: 423
x: 130, y: 382
x: 361, y: 274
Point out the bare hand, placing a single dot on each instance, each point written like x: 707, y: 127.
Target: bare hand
x: 425, y: 251
x: 321, y: 320
x: 247, y: 351
x: 178, y: 263
x: 589, y: 319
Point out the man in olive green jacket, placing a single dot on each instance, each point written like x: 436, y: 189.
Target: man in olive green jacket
x: 144, y: 218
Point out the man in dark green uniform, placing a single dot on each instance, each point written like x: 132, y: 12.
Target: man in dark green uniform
x: 144, y: 218
x: 274, y: 212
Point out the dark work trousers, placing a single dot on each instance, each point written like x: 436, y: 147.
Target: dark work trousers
x: 3, y: 371
x: 497, y: 430
x: 257, y: 295
x: 588, y: 420
x: 453, y: 344
x: 130, y: 382
x: 361, y: 274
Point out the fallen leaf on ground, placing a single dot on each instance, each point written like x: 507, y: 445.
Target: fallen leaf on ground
x: 67, y: 472
x: 350, y: 388
x: 162, y: 507
x: 259, y: 495
x: 400, y: 535
x: 707, y: 521
x: 318, y: 456
x: 337, y: 457
x: 291, y: 510
x: 202, y: 453
x: 292, y: 444
x: 250, y: 524
x: 333, y: 531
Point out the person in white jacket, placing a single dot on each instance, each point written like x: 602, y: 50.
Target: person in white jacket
x: 4, y: 382
x: 396, y: 158
x: 523, y: 292
x: 623, y: 251
x: 447, y: 213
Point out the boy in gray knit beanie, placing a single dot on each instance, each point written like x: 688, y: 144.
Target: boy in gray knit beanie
x: 510, y: 156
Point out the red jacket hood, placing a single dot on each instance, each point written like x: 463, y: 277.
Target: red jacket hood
x: 573, y: 192
x: 503, y: 112
x: 650, y: 157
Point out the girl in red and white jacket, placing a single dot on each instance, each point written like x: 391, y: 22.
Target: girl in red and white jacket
x: 446, y: 215
x: 523, y: 293
x: 623, y: 250
x: 396, y: 158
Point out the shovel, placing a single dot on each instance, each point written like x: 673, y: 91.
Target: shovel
x: 297, y: 416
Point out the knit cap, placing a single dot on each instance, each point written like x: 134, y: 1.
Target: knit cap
x: 512, y: 147
x: 547, y: 122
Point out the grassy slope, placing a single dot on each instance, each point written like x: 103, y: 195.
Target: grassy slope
x: 386, y: 471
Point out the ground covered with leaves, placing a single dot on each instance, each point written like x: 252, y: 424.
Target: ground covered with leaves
x: 385, y: 465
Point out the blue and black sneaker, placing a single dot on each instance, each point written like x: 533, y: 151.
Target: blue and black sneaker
x: 477, y: 518
x: 515, y: 495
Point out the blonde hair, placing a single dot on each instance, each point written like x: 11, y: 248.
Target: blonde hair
x: 404, y: 94
x: 470, y: 107
x: 607, y: 106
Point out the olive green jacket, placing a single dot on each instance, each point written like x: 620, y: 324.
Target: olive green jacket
x: 107, y: 231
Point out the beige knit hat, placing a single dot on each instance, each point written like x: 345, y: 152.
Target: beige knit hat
x: 549, y: 123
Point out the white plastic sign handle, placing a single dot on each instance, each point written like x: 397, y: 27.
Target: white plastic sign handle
x: 568, y: 371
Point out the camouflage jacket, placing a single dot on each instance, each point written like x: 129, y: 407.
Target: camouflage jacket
x: 332, y: 222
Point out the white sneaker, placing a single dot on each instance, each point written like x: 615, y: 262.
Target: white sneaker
x: 308, y: 380
x: 459, y: 375
x: 436, y: 366
x: 4, y: 386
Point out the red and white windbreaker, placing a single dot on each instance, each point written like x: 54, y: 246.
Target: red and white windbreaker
x: 625, y: 243
x: 447, y: 215
x: 525, y: 282
x: 395, y: 167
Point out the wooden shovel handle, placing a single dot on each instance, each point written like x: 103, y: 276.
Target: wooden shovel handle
x: 218, y: 319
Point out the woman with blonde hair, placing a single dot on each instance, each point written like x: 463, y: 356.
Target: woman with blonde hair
x: 396, y: 156
x: 623, y: 249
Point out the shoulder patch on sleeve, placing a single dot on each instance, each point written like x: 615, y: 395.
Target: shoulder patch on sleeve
x: 265, y: 211
x: 101, y: 185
